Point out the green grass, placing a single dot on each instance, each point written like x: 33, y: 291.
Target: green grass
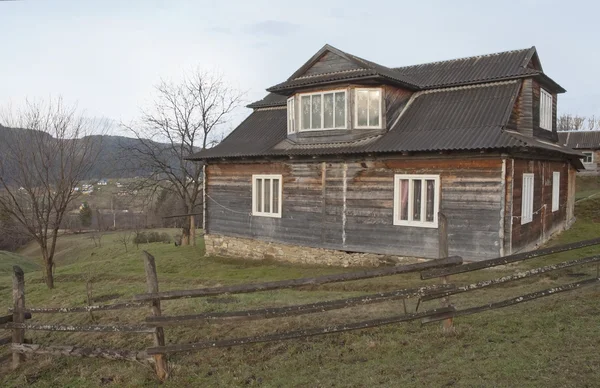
x: 551, y: 342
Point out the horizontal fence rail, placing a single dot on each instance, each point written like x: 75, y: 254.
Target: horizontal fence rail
x: 477, y: 265
x: 86, y: 309
x: 319, y: 280
x: 295, y: 334
x: 287, y: 311
x: 75, y: 351
x: 513, y: 301
x: 510, y: 278
x: 82, y: 328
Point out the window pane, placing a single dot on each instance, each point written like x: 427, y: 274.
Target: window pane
x: 328, y: 110
x: 305, y: 112
x: 340, y: 110
x: 374, y: 104
x: 430, y: 200
x: 258, y: 198
x: 403, y: 199
x: 316, y: 112
x: 362, y: 107
x: 416, y: 200
x: 275, y: 195
x: 267, y: 199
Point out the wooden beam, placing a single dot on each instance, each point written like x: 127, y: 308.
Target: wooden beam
x: 513, y: 301
x: 477, y: 265
x: 85, y: 309
x: 287, y: 311
x: 81, y: 352
x: 510, y: 278
x: 293, y: 334
x: 282, y: 284
x: 84, y: 328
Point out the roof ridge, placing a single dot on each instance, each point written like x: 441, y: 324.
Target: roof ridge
x: 470, y: 86
x: 463, y: 58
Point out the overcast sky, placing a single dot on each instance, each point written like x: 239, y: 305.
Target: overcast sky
x: 106, y: 55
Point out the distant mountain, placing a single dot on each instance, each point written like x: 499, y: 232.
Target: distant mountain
x: 114, y: 161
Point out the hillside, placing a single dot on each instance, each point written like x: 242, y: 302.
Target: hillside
x: 114, y: 161
x: 548, y: 342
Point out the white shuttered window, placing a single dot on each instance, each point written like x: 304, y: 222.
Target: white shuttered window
x: 291, y: 115
x: 527, y: 199
x: 545, y: 110
x: 266, y: 195
x: 555, y: 190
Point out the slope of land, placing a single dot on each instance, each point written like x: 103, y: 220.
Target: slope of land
x: 551, y: 342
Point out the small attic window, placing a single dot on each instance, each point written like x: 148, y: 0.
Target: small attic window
x: 545, y: 110
x: 323, y: 111
x: 291, y: 115
x: 368, y: 108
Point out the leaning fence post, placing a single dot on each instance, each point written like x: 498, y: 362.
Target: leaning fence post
x: 18, y: 336
x: 160, y: 360
x: 447, y: 324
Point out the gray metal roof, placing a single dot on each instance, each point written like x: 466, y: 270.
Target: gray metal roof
x: 449, y: 119
x: 580, y: 139
x: 455, y: 72
x: 482, y: 68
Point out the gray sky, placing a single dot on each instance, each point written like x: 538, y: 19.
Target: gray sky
x: 106, y: 55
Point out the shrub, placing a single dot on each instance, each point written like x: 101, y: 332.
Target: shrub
x: 151, y: 237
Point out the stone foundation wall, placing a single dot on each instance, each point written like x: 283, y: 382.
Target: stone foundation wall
x: 218, y: 245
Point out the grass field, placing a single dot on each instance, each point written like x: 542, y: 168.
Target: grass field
x: 551, y: 342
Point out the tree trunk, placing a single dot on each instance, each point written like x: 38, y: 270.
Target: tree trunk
x: 193, y: 230
x: 48, y: 268
x: 49, y: 274
x: 185, y: 230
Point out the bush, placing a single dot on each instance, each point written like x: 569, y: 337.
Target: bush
x: 151, y: 237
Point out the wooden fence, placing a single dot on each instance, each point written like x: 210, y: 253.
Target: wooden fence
x: 153, y: 325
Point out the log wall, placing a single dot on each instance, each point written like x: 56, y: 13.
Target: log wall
x: 545, y: 222
x: 349, y: 205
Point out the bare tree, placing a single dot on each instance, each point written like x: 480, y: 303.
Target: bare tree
x: 47, y: 153
x: 184, y: 118
x: 124, y: 238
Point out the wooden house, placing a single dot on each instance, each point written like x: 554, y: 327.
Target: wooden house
x: 348, y: 158
x: 588, y: 143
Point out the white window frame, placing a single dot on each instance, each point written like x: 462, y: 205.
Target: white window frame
x: 591, y: 155
x: 436, y: 200
x: 545, y: 110
x: 380, y: 90
x: 527, y: 191
x: 255, y: 211
x: 291, y: 115
x: 300, y: 127
x: 555, y: 190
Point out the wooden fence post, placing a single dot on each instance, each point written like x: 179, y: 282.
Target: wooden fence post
x: 160, y: 361
x: 447, y: 324
x: 18, y: 336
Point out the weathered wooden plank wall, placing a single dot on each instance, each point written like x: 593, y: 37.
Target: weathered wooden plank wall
x: 330, y: 63
x: 545, y: 221
x: 354, y: 210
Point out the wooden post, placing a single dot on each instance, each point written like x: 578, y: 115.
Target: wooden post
x: 447, y: 324
x: 193, y: 230
x: 160, y: 361
x: 18, y: 336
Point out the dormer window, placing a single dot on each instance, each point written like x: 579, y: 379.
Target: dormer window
x: 368, y: 108
x: 323, y: 111
x: 291, y: 115
x: 545, y: 110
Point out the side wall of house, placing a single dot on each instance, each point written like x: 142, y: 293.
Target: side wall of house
x: 591, y: 169
x: 348, y: 205
x: 545, y: 222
